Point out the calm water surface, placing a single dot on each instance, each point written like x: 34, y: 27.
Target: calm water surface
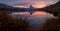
x: 36, y: 20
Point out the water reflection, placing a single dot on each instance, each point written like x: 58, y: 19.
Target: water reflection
x: 35, y: 20
x: 39, y: 13
x: 27, y: 14
x: 36, y: 17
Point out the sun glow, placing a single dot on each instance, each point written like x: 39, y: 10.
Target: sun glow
x: 34, y: 5
x: 40, y: 5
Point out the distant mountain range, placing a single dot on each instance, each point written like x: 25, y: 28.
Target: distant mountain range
x: 2, y: 5
x: 6, y: 7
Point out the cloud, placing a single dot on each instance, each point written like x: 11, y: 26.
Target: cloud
x: 27, y: 3
x: 23, y: 4
x: 12, y: 2
x: 36, y: 5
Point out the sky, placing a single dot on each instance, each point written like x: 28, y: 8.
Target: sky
x: 27, y: 3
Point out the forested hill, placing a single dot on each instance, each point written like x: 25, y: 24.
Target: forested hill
x: 55, y: 8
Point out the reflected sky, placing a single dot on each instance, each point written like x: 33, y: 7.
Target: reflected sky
x: 36, y: 16
x: 39, y: 13
x: 35, y: 20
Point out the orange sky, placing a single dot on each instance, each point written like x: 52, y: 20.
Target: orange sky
x: 27, y: 3
x: 34, y: 5
x: 40, y: 5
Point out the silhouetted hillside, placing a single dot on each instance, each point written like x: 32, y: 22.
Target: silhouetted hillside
x: 8, y: 8
x: 2, y: 5
x: 55, y: 8
x: 5, y: 7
